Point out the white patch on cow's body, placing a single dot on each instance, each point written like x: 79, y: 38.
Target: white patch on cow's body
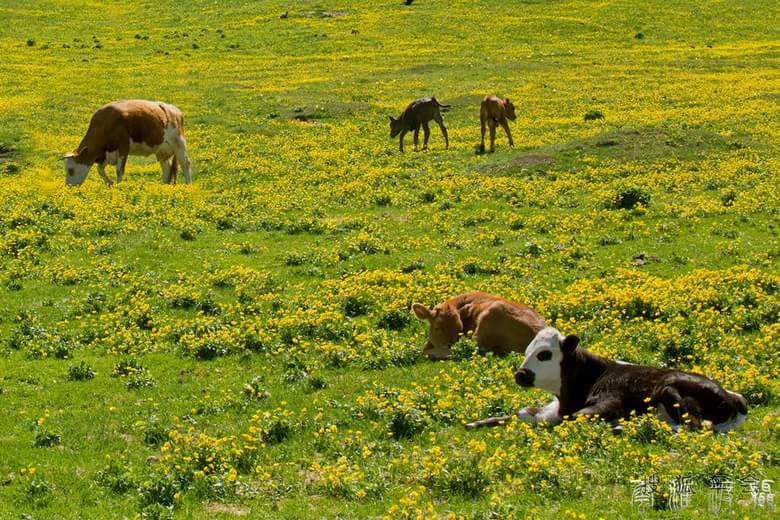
x: 734, y: 422
x: 547, y: 374
x: 619, y: 362
x: 549, y: 414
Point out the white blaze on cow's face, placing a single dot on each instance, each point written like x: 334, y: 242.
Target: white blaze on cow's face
x: 543, y: 359
x: 75, y: 173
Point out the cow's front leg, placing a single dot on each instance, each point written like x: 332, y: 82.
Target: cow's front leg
x: 101, y: 167
x: 401, y: 139
x: 548, y: 414
x: 416, y: 136
x: 505, y: 125
x: 121, y: 161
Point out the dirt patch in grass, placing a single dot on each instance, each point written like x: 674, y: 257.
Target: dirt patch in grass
x: 530, y: 160
x: 9, y: 160
x: 626, y: 144
x: 319, y: 13
x: 227, y: 509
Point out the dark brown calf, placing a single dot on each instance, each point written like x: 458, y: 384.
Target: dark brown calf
x: 419, y: 113
x: 495, y: 111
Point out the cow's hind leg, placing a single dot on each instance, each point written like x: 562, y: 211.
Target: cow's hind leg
x: 483, y: 128
x: 678, y: 410
x: 492, y: 125
x: 610, y: 410
x: 183, y: 160
x: 440, y: 122
x: 166, y: 165
x: 426, y: 135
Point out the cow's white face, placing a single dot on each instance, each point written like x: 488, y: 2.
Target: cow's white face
x: 75, y: 173
x: 543, y: 356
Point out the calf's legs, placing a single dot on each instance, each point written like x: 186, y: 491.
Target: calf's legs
x: 440, y: 122
x: 482, y: 144
x: 505, y: 125
x: 101, y: 167
x: 426, y: 135
x: 548, y: 414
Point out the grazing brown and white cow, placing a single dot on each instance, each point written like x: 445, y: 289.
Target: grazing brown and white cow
x: 586, y: 384
x: 500, y: 326
x: 495, y: 111
x: 134, y: 127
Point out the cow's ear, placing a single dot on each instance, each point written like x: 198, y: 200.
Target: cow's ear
x: 392, y: 119
x: 570, y: 343
x: 507, y: 102
x: 81, y: 151
x: 421, y: 311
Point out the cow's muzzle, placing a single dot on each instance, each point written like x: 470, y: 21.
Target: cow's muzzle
x: 524, y: 377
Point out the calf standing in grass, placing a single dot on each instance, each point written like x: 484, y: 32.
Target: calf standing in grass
x: 586, y: 384
x: 134, y: 127
x: 495, y: 111
x: 500, y: 326
x: 419, y: 113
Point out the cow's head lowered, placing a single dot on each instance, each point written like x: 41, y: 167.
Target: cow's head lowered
x: 396, y: 125
x: 543, y: 356
x: 509, y: 110
x: 445, y: 328
x: 75, y: 171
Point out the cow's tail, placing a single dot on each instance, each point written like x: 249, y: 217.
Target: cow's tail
x: 443, y: 108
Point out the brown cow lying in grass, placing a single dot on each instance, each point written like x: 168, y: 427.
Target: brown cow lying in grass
x: 495, y: 111
x: 500, y: 326
x: 419, y: 113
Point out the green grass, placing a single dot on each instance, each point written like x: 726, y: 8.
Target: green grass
x: 298, y: 187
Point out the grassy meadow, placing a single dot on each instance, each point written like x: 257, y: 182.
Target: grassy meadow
x: 244, y: 346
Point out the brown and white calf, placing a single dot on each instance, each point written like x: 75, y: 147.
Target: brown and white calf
x: 134, y: 127
x: 586, y: 384
x: 499, y: 326
x: 495, y: 111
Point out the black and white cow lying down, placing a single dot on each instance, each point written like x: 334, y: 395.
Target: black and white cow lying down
x: 586, y: 384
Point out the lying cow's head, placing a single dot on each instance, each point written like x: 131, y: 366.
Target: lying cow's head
x: 509, y: 110
x: 75, y: 172
x: 396, y: 125
x: 543, y: 356
x: 445, y: 328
